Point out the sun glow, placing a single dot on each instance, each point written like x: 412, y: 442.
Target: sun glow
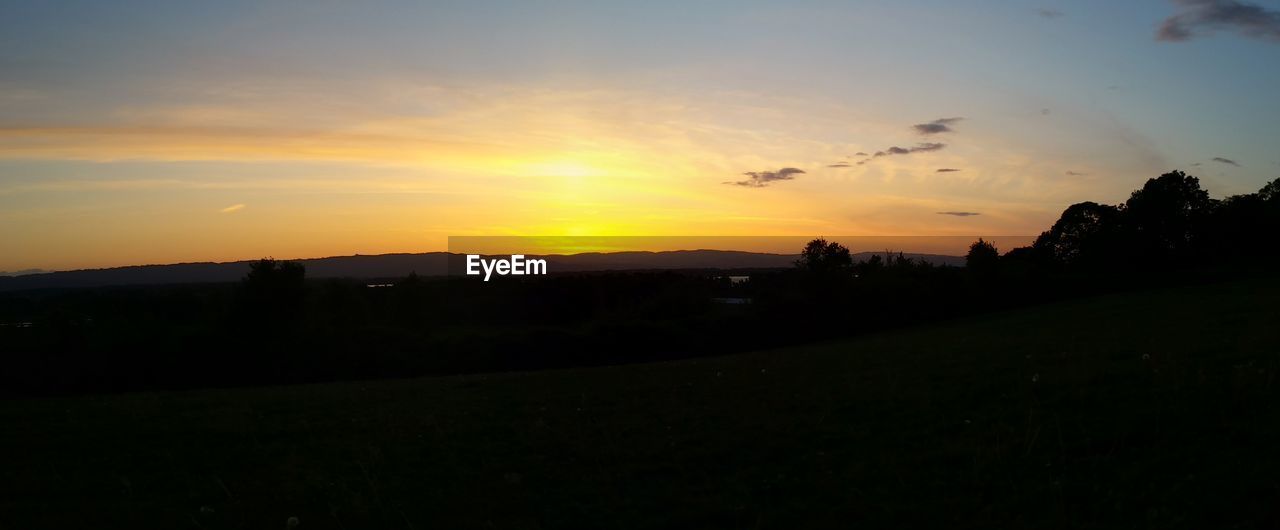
x: 560, y: 163
x: 566, y: 168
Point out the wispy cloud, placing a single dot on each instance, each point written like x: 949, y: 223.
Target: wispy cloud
x: 946, y: 170
x: 1049, y: 12
x: 1226, y: 161
x: 233, y: 208
x: 940, y: 125
x: 920, y: 147
x: 1200, y: 17
x: 895, y: 150
x: 839, y: 164
x: 959, y: 214
x: 760, y: 179
x: 1071, y: 173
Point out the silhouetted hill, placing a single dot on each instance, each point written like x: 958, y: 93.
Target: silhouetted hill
x: 425, y: 264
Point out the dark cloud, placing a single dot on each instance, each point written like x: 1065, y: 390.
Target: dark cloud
x: 1044, y: 112
x: 1048, y: 12
x: 1197, y: 164
x: 1227, y: 161
x: 939, y: 125
x: 895, y: 150
x: 1199, y: 17
x: 839, y: 164
x: 959, y: 214
x: 1075, y: 173
x: 946, y: 170
x: 931, y: 128
x: 859, y: 153
x: 760, y: 179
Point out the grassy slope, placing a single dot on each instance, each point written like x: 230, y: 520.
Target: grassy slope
x: 1143, y: 409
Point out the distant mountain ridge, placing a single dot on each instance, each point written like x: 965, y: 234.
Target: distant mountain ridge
x: 384, y: 266
x: 23, y: 272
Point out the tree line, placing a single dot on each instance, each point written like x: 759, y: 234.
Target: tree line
x: 277, y: 326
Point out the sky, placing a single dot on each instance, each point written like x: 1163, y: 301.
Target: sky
x: 157, y: 132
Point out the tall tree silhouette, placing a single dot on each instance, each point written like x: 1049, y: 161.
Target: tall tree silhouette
x: 1245, y: 226
x: 1085, y: 234
x: 1167, y: 215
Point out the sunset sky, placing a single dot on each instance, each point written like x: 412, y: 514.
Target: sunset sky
x: 154, y: 132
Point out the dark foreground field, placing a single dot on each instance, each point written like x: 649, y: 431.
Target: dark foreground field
x: 1152, y: 409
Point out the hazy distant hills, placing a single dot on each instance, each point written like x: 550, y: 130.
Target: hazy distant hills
x: 389, y: 266
x: 22, y: 272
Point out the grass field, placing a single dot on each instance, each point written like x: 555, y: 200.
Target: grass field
x: 1152, y: 409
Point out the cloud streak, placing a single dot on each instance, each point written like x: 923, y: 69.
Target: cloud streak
x: 232, y: 209
x: 940, y: 125
x: 946, y: 170
x: 959, y: 214
x: 1226, y: 161
x: 1197, y: 18
x: 760, y: 179
x: 922, y: 147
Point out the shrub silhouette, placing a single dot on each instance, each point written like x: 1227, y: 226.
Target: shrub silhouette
x: 275, y: 280
x: 273, y: 294
x: 983, y: 258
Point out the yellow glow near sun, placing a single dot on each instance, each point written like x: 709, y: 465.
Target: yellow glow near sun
x: 567, y: 168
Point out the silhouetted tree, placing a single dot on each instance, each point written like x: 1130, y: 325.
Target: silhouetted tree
x: 982, y: 257
x: 870, y: 265
x: 824, y: 257
x: 1245, y: 226
x: 898, y: 261
x: 1167, y: 215
x: 1233, y: 228
x: 1022, y: 263
x: 1270, y: 192
x: 1085, y: 233
x: 1269, y: 229
x: 274, y: 292
x: 271, y: 278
